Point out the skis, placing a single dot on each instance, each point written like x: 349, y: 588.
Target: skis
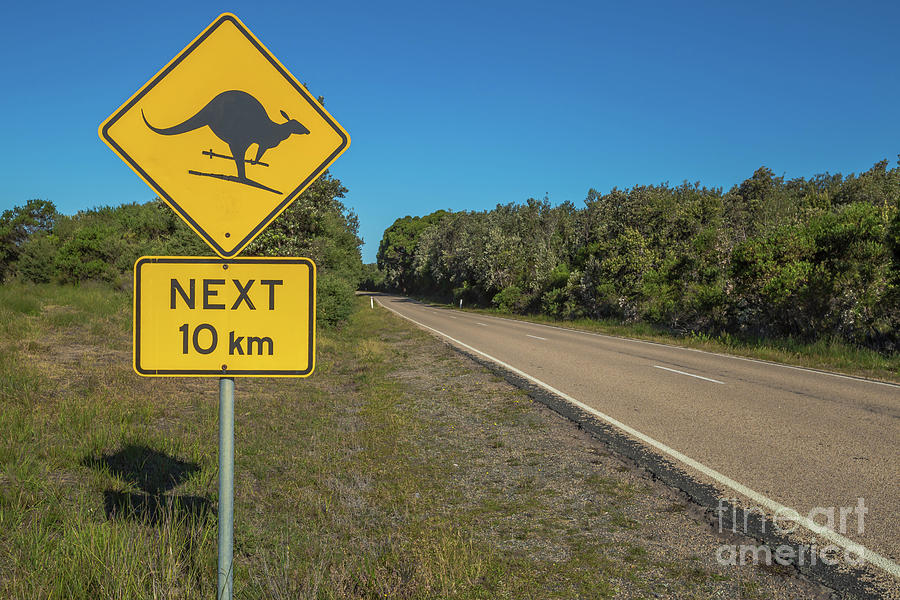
x: 232, y: 178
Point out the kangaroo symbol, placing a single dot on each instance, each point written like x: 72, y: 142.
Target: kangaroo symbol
x: 239, y: 120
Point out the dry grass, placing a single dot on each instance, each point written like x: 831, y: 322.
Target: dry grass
x: 398, y: 470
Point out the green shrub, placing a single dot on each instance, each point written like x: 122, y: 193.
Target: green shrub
x: 372, y: 278
x: 38, y: 257
x: 90, y: 255
x: 508, y: 299
x: 334, y: 299
x: 560, y: 303
x: 17, y: 225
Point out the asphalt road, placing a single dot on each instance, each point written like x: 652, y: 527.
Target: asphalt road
x: 803, y: 439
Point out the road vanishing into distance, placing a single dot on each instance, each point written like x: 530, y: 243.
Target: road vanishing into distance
x: 779, y: 436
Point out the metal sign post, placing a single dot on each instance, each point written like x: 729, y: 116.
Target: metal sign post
x: 226, y: 488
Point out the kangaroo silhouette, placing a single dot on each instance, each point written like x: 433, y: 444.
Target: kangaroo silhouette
x: 239, y: 120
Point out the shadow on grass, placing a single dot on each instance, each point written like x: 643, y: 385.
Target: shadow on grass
x: 153, y: 508
x: 154, y: 473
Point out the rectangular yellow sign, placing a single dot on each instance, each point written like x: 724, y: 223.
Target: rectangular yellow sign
x: 213, y: 317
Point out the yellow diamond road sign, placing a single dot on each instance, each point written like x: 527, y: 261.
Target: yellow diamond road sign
x: 225, y: 135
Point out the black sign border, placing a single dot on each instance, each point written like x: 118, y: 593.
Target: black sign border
x: 345, y: 140
x: 223, y: 261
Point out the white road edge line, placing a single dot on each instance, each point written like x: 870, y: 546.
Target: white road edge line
x: 537, y: 337
x: 776, y: 507
x: 733, y: 356
x: 689, y: 374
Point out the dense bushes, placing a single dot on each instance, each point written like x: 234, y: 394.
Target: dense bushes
x: 334, y: 299
x: 38, y: 244
x: 94, y: 245
x: 19, y: 226
x: 805, y: 258
x: 372, y: 278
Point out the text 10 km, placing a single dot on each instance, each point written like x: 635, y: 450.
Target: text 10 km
x: 207, y: 344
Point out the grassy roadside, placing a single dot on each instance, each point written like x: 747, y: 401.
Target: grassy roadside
x: 827, y: 355
x: 398, y: 470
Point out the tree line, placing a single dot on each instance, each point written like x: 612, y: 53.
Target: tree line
x: 806, y: 258
x: 40, y: 245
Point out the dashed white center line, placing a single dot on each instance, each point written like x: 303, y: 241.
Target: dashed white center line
x: 689, y: 374
x: 482, y: 324
x: 537, y: 337
x: 451, y: 316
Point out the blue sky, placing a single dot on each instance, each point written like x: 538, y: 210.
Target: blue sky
x: 464, y: 105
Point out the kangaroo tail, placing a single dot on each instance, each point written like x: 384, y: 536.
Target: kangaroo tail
x: 195, y: 122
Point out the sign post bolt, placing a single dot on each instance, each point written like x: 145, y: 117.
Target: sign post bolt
x: 226, y: 488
